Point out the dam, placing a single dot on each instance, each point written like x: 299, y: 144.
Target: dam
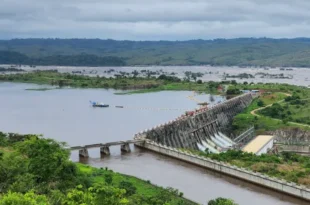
x: 207, y: 128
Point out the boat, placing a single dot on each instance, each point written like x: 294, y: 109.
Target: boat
x: 100, y: 105
x: 96, y: 104
x: 119, y: 106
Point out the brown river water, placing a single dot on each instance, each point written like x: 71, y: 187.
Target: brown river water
x: 65, y: 115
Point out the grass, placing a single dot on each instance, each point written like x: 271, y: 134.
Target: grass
x: 182, y: 86
x: 287, y: 166
x: 264, y: 123
x: 143, y: 187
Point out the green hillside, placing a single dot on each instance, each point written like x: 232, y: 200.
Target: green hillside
x: 96, y: 52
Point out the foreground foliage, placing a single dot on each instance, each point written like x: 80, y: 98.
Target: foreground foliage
x: 37, y: 171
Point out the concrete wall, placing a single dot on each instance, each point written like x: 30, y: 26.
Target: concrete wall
x: 266, y: 147
x: 294, y: 148
x: 291, y: 136
x: 257, y: 178
x: 187, y: 131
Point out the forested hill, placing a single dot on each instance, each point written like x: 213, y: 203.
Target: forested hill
x: 96, y: 52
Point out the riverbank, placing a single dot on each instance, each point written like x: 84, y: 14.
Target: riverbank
x: 139, y: 186
x: 40, y: 167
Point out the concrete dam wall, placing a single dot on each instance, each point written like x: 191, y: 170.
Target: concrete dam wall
x: 206, y: 127
x: 241, y: 173
x: 292, y: 136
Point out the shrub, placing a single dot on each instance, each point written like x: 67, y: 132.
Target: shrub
x: 260, y: 103
x: 129, y: 187
x: 221, y: 201
x: 108, y: 178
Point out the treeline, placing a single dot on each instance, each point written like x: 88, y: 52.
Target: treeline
x: 37, y: 171
x: 231, y: 52
x: 9, y: 57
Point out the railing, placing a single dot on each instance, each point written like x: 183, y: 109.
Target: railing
x: 105, y: 144
x: 248, y: 133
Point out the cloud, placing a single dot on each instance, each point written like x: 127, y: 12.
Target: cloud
x: 154, y: 20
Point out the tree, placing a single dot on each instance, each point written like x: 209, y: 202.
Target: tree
x: 12, y: 165
x: 79, y: 196
x: 199, y: 81
x: 108, y: 178
x: 234, y: 82
x: 221, y: 201
x: 13, y: 198
x: 100, y: 194
x: 233, y: 91
x: 49, y: 162
x: 23, y: 183
x: 129, y: 187
x: 260, y: 103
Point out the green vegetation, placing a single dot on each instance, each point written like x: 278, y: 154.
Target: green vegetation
x: 281, y: 114
x: 92, y: 52
x: 37, y: 171
x: 137, y: 84
x: 40, y: 89
x: 295, y: 108
x: 222, y: 201
x: 288, y: 166
x: 10, y: 70
x: 9, y: 57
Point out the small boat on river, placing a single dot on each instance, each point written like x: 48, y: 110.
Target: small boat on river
x: 96, y: 104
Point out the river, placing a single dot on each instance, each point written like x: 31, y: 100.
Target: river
x: 65, y: 115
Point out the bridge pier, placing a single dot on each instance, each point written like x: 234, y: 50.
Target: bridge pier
x: 105, y: 150
x: 83, y: 153
x: 125, y: 147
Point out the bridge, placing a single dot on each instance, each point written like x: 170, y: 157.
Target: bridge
x: 105, y: 147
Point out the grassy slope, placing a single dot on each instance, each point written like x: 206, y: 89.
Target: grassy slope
x: 288, y: 166
x: 144, y: 188
x: 264, y: 123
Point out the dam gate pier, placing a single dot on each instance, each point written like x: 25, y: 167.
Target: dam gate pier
x: 105, y: 148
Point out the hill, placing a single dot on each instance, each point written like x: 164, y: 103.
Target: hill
x: 96, y: 52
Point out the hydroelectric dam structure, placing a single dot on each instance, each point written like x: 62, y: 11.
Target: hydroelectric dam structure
x: 208, y: 128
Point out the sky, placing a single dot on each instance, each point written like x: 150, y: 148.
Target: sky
x: 154, y: 19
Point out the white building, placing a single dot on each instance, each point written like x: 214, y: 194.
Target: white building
x: 259, y: 145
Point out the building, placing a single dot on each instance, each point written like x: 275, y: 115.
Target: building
x: 251, y: 91
x: 259, y: 145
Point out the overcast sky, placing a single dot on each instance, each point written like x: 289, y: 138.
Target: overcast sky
x: 154, y: 19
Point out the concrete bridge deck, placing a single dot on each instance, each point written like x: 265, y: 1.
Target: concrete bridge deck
x: 90, y: 146
x: 105, y: 147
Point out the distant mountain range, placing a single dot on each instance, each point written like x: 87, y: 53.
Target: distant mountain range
x: 96, y: 52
